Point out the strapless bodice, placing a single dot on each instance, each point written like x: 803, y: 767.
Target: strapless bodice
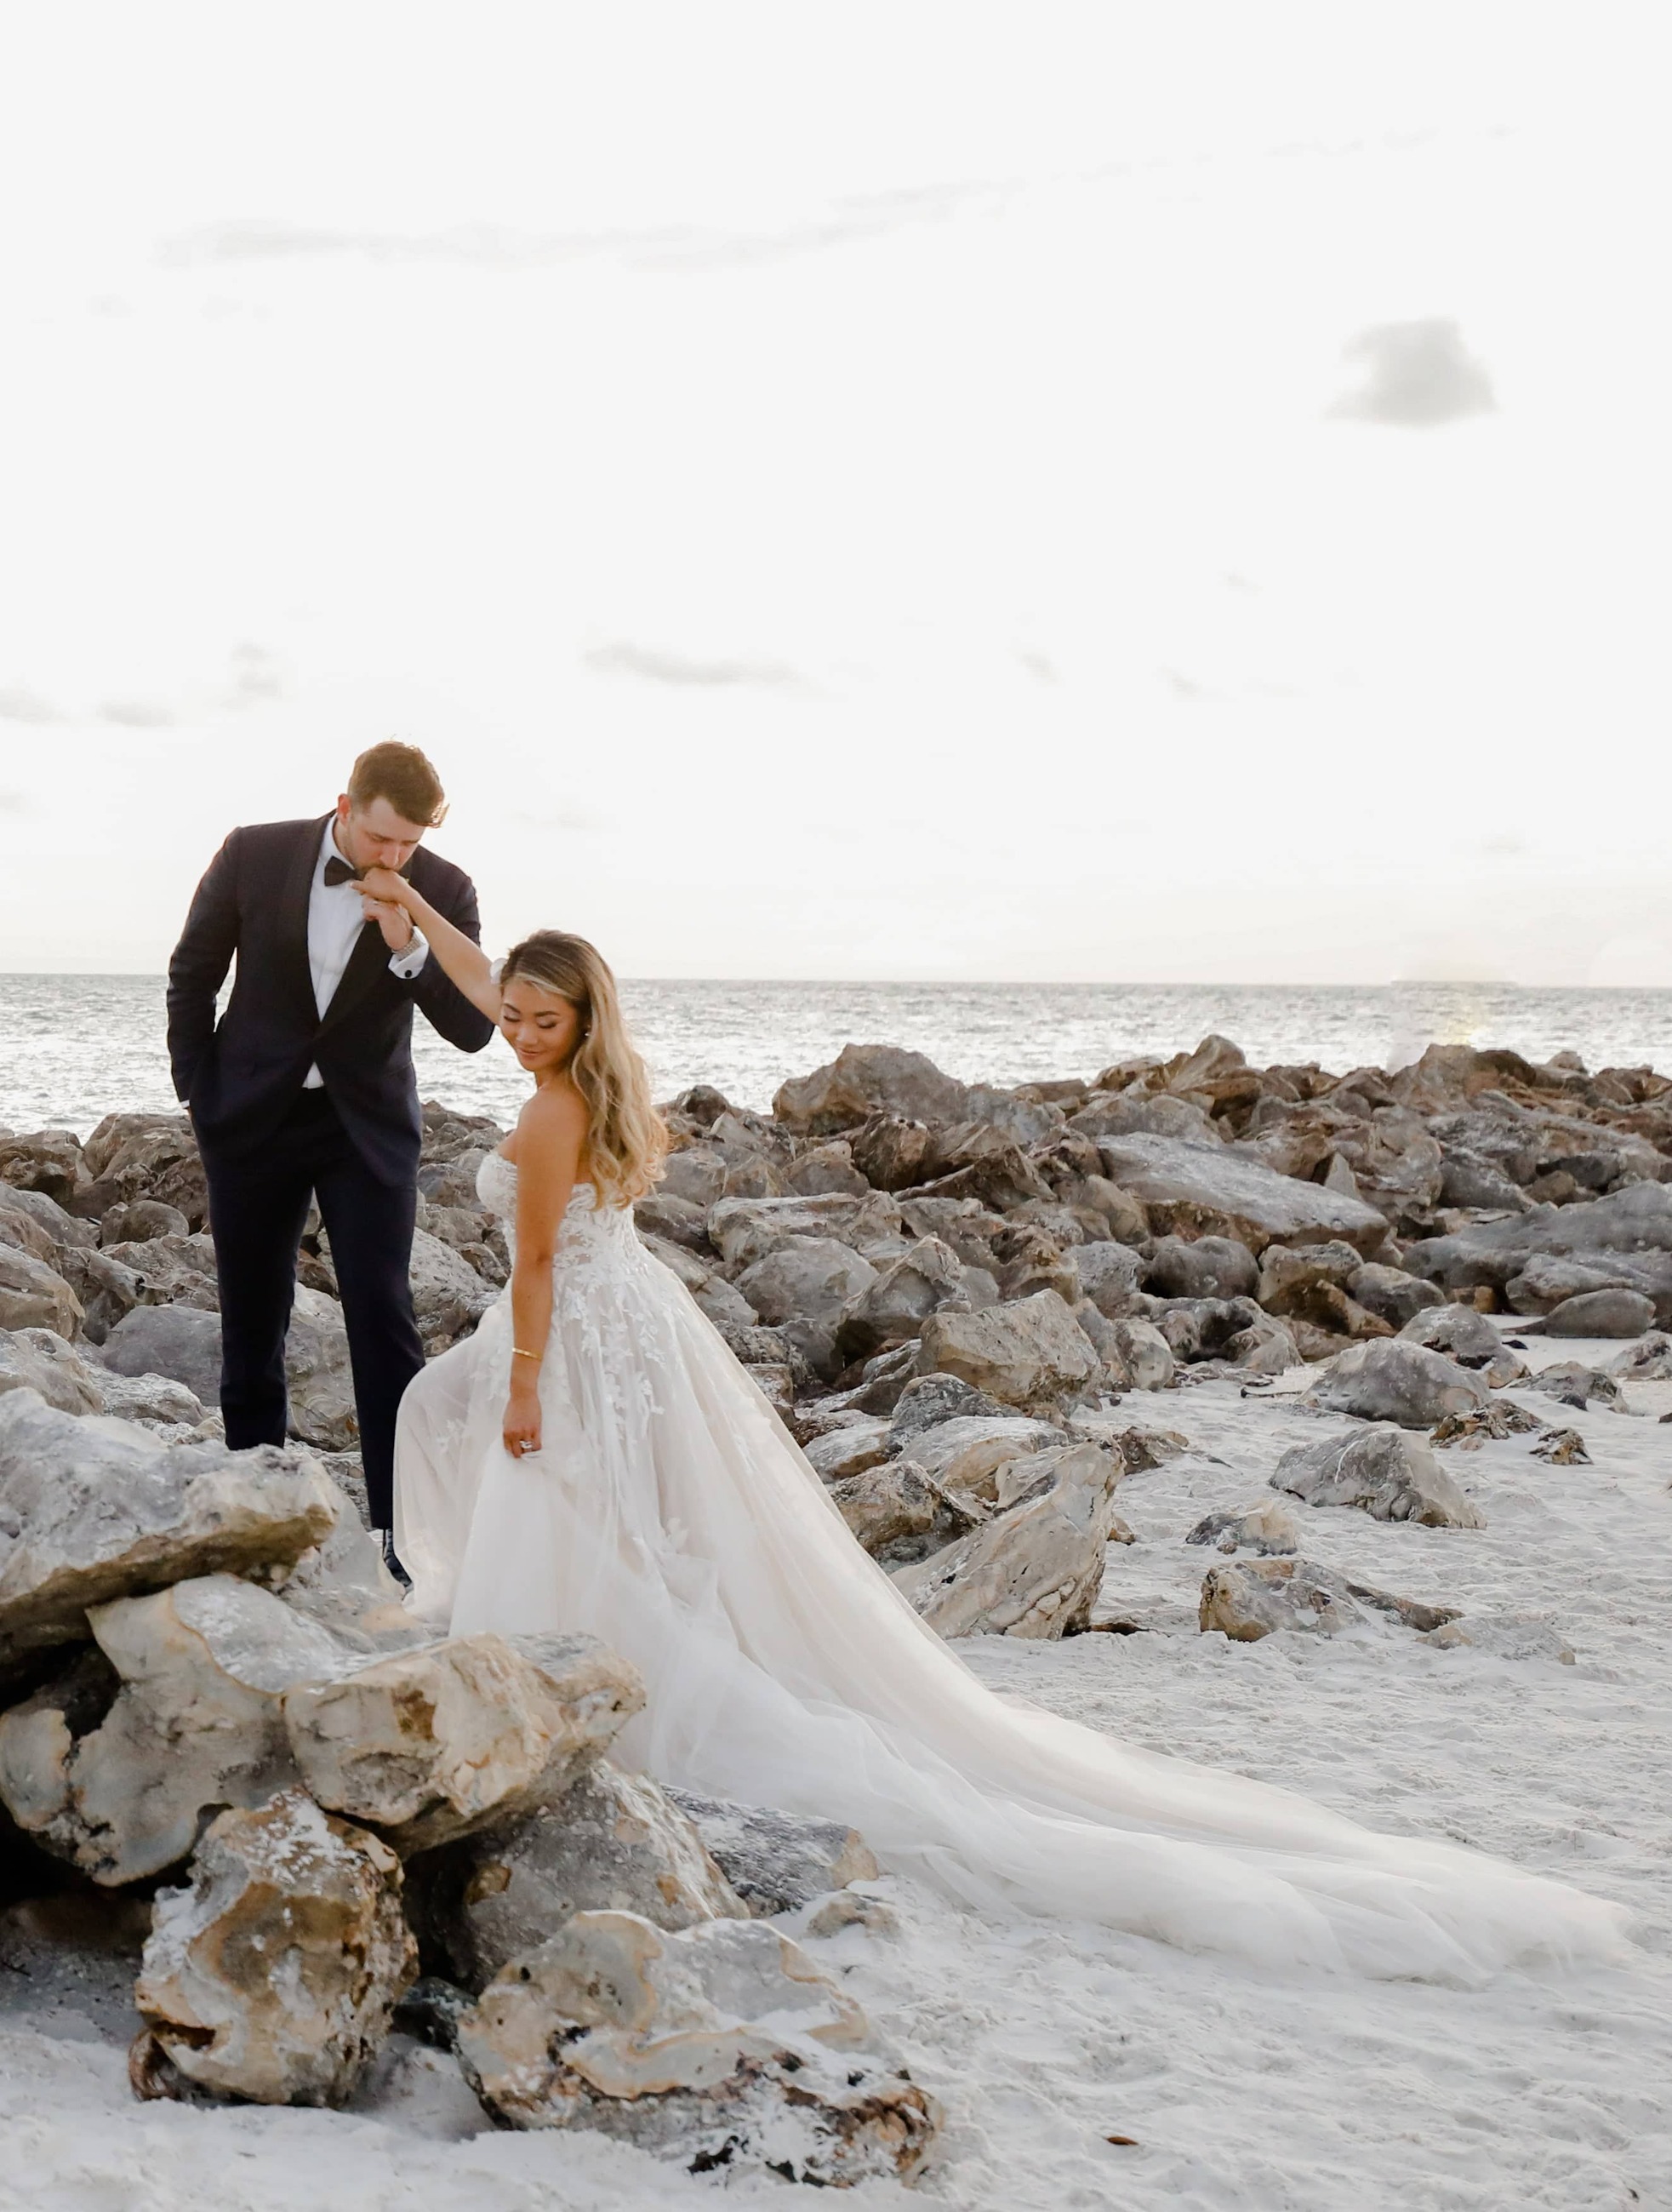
x: 587, y: 1224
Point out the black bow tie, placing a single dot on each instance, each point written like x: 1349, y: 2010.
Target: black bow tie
x: 338, y: 871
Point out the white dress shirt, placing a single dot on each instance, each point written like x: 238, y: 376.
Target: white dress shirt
x: 335, y: 920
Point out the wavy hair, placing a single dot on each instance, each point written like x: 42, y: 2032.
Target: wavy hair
x: 627, y: 1140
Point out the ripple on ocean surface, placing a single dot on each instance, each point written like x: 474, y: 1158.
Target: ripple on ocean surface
x: 75, y: 1047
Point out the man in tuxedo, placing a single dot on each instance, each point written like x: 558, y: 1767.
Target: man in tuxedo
x: 305, y: 1088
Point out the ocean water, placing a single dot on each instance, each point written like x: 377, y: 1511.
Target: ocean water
x: 75, y: 1047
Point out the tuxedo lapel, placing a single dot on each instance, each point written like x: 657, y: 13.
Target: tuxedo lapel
x: 298, y: 971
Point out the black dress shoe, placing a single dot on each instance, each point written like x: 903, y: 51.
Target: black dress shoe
x: 390, y: 1558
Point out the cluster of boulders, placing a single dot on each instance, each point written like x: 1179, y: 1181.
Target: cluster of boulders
x: 212, y: 1699
x: 210, y: 1696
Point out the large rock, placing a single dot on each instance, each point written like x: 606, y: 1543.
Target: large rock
x: 1031, y: 1353
x: 1390, y: 1293
x: 1203, y: 1267
x: 318, y: 1378
x: 968, y: 1454
x: 1387, y: 1474
x: 272, y: 1979
x: 893, y: 1308
x: 1129, y: 1113
x: 429, y: 1744
x: 892, y: 1154
x: 1623, y: 1241
x: 861, y: 1441
x: 865, y: 1080
x: 612, y: 1842
x: 1648, y: 1362
x: 1108, y: 1274
x: 1267, y: 1529
x: 39, y: 1359
x: 722, y: 2046
x: 1247, y: 1599
x: 35, y: 1296
x: 1145, y: 1355
x: 777, y: 1862
x: 1601, y: 1313
x: 805, y: 1279
x: 1034, y: 1570
x: 449, y: 1298
x: 925, y: 1401
x: 180, y: 1342
x: 1389, y: 1380
x: 1212, y: 1190
x: 196, y: 1726
x: 883, y: 1504
x: 64, y: 1231
x: 745, y: 1230
x: 49, y: 1160
x: 93, y: 1509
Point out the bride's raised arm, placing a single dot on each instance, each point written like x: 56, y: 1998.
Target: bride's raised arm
x: 465, y: 961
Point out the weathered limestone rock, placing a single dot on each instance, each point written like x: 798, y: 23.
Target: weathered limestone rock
x: 1129, y: 1113
x: 1505, y: 1636
x: 1621, y: 1241
x: 1034, y: 1570
x: 805, y: 1278
x: 428, y: 1744
x: 1648, y: 1362
x: 35, y: 1296
x: 926, y: 1400
x: 611, y: 1842
x: 1252, y: 1598
x: 1211, y: 1190
x: 319, y: 1380
x: 1269, y: 1529
x: 720, y: 2045
x: 343, y: 1585
x: 196, y: 1726
x: 862, y: 1441
x: 1030, y: 1353
x: 1575, y: 1384
x: 1108, y: 1274
x: 777, y: 1862
x: 1463, y: 1335
x: 967, y: 1454
x: 180, y: 1342
x: 139, y: 1220
x: 1562, y: 1448
x: 64, y: 1231
x: 151, y: 1398
x: 865, y: 1080
x: 1385, y: 1472
x: 93, y: 1509
x: 1392, y: 1380
x: 1601, y: 1313
x: 1203, y: 1267
x: 1266, y: 1346
x: 892, y: 1307
x: 883, y: 1504
x: 1289, y: 1274
x: 1469, y: 1432
x: 170, y: 1268
x: 48, y: 1160
x: 1145, y: 1354
x: 1390, y: 1294
x: 892, y: 1154
x: 272, y: 1979
x: 39, y: 1359
x: 827, y: 1169
x: 449, y: 1298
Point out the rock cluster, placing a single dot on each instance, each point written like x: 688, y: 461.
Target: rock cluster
x: 212, y: 1701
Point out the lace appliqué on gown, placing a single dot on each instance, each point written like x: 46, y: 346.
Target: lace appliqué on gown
x: 669, y: 1513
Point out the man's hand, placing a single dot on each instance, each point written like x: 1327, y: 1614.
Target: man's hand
x: 385, y: 885
x: 393, y: 920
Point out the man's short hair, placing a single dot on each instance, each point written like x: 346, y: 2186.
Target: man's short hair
x: 403, y: 776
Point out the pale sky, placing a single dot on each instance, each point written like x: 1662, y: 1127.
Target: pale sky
x: 1133, y: 493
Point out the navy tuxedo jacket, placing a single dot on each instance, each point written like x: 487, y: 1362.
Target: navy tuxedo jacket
x: 239, y: 1077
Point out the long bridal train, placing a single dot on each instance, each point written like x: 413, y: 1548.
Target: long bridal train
x: 669, y: 1514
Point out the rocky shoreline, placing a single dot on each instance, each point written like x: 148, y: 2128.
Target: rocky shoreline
x: 969, y: 1305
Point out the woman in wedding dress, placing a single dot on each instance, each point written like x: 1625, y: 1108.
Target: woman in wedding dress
x: 595, y: 1459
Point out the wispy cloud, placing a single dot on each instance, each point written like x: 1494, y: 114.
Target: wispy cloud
x: 19, y: 705
x: 491, y: 246
x: 657, y: 666
x: 1415, y: 376
x: 258, y: 676
x: 138, y: 714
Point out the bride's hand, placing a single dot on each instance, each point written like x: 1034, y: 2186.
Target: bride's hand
x: 521, y: 1429
x: 384, y: 886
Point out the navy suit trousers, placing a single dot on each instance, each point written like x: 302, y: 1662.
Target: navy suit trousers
x: 258, y: 1207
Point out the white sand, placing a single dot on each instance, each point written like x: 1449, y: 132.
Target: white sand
x: 1244, y: 2089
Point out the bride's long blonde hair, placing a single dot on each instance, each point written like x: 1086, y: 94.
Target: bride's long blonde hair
x: 627, y: 1140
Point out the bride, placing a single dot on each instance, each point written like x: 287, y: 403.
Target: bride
x: 594, y: 1459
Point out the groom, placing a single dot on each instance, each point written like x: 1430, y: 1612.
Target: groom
x: 304, y: 1089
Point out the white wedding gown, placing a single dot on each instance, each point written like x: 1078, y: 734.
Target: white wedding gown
x: 669, y: 1514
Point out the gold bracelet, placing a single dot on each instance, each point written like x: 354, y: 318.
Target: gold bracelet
x: 518, y: 1353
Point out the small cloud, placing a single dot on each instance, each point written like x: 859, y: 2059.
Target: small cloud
x: 1415, y: 376
x: 1503, y: 847
x: 1184, y: 687
x: 658, y: 666
x: 257, y: 676
x: 19, y: 705
x: 137, y: 714
x: 13, y: 802
x: 1037, y: 663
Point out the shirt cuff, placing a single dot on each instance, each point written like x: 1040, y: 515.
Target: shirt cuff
x: 408, y: 964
